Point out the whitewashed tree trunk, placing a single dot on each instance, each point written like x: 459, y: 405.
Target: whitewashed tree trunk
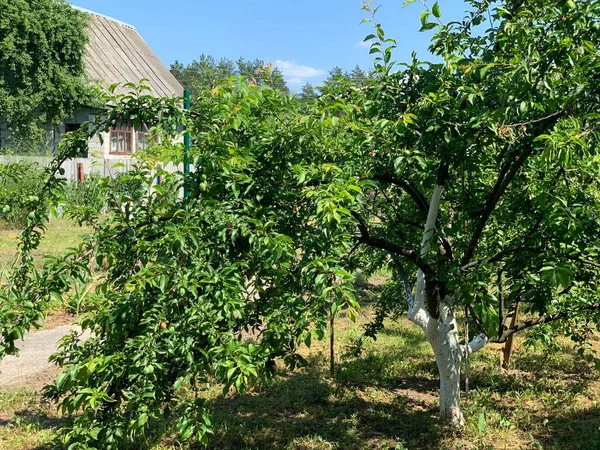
x: 448, y: 356
x: 442, y: 332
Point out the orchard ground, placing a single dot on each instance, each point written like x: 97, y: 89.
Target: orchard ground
x: 385, y: 398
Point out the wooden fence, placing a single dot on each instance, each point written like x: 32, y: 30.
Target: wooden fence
x: 76, y: 169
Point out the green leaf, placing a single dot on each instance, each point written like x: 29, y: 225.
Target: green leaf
x: 435, y: 10
x: 230, y: 373
x: 481, y: 422
x: 428, y: 26
x: 142, y: 420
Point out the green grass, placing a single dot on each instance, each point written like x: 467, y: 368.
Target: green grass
x: 26, y: 422
x: 386, y: 398
x: 61, y: 235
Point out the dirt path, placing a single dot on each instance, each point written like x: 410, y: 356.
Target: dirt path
x: 31, y: 368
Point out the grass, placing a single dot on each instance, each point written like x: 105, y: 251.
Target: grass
x: 61, y: 235
x: 384, y: 399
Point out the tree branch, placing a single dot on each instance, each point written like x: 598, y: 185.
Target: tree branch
x: 515, y: 249
x: 499, y: 256
x: 504, y: 179
x: 419, y: 200
x: 476, y: 344
x: 383, y: 244
x: 418, y: 313
x: 407, y: 187
x: 542, y: 320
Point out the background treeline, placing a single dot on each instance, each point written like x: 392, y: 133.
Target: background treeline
x: 207, y: 71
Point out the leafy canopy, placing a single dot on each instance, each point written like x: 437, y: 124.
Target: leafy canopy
x: 288, y: 197
x: 42, y: 44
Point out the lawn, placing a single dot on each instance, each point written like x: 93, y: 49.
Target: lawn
x: 60, y: 235
x: 385, y: 398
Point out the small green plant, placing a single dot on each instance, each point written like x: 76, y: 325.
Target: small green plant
x: 481, y: 422
x: 360, y: 280
x: 82, y: 299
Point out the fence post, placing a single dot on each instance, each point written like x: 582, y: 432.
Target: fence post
x: 186, y: 144
x: 80, y: 173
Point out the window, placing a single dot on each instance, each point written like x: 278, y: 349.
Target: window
x: 142, y: 137
x: 121, y: 138
x: 71, y: 127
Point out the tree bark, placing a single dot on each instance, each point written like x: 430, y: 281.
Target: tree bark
x: 448, y: 356
x: 441, y: 329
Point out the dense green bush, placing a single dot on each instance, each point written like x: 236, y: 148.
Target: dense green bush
x: 19, y: 185
x: 87, y: 199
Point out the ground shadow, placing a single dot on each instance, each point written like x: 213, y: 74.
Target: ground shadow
x: 543, y: 373
x: 578, y: 430
x: 304, y: 410
x: 34, y: 419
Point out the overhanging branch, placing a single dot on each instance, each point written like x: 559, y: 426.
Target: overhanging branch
x: 391, y: 247
x: 542, y: 320
x: 504, y: 179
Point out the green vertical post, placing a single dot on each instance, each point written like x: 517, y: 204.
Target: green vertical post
x: 186, y: 151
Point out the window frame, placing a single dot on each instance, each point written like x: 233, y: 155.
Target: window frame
x: 128, y: 133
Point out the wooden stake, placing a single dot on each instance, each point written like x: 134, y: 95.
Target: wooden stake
x: 506, y: 352
x: 331, y: 344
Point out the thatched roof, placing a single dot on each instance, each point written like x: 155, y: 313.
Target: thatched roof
x: 116, y: 53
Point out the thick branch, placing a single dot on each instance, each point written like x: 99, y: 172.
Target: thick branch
x: 383, y: 244
x: 476, y: 344
x: 510, y: 250
x: 418, y: 314
x: 407, y: 187
x: 585, y: 262
x: 542, y: 320
x: 499, y: 256
x: 502, y: 183
x: 418, y: 198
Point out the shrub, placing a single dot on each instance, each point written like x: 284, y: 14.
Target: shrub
x: 19, y: 185
x: 85, y: 200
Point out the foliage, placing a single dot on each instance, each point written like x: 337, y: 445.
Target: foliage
x: 290, y: 197
x: 185, y: 280
x: 19, y: 185
x: 375, y: 401
x: 206, y: 73
x: 511, y: 115
x: 337, y: 83
x: 41, y: 65
x: 83, y: 201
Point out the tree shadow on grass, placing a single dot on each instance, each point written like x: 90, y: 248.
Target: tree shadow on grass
x: 305, y: 411
x: 576, y: 430
x: 38, y: 419
x: 561, y: 374
x: 404, y: 360
x: 34, y: 420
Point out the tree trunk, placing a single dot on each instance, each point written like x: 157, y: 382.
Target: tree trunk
x: 448, y: 356
x: 441, y: 329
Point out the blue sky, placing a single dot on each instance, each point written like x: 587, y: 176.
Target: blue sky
x: 304, y: 38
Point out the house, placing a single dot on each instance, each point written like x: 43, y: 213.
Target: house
x: 115, y: 53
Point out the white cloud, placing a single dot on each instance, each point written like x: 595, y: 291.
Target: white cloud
x: 297, y: 74
x: 362, y: 44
